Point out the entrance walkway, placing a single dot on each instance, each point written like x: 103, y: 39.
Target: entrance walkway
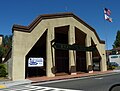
x: 78, y: 75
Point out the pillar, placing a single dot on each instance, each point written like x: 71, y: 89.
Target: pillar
x: 88, y: 54
x: 72, y: 53
x: 50, y: 59
x: 103, y: 63
x: 18, y: 59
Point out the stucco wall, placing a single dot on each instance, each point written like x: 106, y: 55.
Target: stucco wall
x: 0, y: 40
x: 9, y: 68
x: 24, y: 41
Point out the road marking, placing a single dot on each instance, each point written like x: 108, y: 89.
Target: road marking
x: 35, y: 88
x: 116, y: 71
x: 2, y: 86
x: 99, y: 78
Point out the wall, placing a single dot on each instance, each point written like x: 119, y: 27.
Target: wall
x: 0, y: 40
x: 115, y: 58
x: 24, y: 41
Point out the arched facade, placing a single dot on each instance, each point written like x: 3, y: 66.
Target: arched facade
x: 35, y: 39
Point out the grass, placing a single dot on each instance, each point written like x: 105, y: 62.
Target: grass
x: 2, y: 78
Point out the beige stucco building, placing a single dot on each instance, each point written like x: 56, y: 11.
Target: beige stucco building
x: 1, y: 39
x: 35, y: 39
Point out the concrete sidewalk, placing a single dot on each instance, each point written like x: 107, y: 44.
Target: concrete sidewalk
x: 6, y: 84
x: 79, y: 75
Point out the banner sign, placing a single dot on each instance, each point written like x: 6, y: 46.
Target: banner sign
x: 73, y: 47
x: 35, y: 62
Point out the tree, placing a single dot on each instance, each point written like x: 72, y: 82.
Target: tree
x: 4, y: 48
x: 7, y: 41
x: 6, y: 45
x: 1, y: 52
x: 3, y: 72
x: 117, y: 41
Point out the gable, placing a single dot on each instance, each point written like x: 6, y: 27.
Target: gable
x: 30, y: 27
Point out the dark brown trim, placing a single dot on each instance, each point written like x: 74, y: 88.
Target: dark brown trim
x: 30, y: 27
x: 1, y: 36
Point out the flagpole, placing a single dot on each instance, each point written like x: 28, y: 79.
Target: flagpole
x: 66, y: 9
x: 106, y: 47
x: 106, y: 39
x: 107, y: 17
x: 105, y: 34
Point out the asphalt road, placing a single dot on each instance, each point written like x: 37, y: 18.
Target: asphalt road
x: 101, y: 83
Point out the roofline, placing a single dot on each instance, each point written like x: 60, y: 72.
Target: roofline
x: 1, y: 35
x: 30, y: 27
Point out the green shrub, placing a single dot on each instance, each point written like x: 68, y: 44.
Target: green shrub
x: 3, y: 72
x: 112, y: 65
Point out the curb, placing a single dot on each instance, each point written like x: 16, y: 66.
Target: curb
x: 26, y: 82
x: 89, y: 76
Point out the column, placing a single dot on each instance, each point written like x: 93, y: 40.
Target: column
x: 72, y: 53
x: 103, y: 63
x: 50, y: 58
x: 88, y: 54
x: 17, y: 59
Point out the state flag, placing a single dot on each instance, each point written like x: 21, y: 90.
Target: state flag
x: 107, y: 13
x: 108, y: 18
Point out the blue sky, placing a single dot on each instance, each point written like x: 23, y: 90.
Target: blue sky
x: 23, y: 12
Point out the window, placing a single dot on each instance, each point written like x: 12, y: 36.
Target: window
x: 114, y: 56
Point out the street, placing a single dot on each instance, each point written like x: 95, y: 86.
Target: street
x: 98, y: 83
x: 88, y: 84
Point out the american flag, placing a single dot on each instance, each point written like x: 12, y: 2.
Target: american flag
x: 107, y: 11
x: 107, y: 14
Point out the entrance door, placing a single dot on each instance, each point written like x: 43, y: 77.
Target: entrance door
x: 80, y: 62
x: 80, y: 37
x: 62, y: 61
x: 96, y: 63
x: 61, y: 56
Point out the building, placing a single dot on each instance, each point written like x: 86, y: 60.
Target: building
x: 62, y: 40
x: 114, y: 59
x: 116, y: 50
x: 1, y: 39
x: 113, y: 51
x: 114, y: 56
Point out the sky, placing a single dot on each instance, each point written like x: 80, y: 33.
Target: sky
x: 23, y: 12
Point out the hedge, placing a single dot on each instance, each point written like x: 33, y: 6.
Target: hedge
x: 3, y: 72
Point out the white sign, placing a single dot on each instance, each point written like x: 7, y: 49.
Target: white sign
x: 35, y: 62
x: 115, y: 58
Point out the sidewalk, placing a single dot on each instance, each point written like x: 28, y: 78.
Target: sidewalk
x: 9, y: 83
x: 5, y: 84
x: 79, y: 75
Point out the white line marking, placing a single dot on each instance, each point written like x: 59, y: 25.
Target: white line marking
x: 99, y: 78
x: 36, y: 88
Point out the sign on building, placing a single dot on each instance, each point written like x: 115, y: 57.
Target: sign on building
x: 115, y: 59
x: 35, y: 62
x: 73, y: 47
